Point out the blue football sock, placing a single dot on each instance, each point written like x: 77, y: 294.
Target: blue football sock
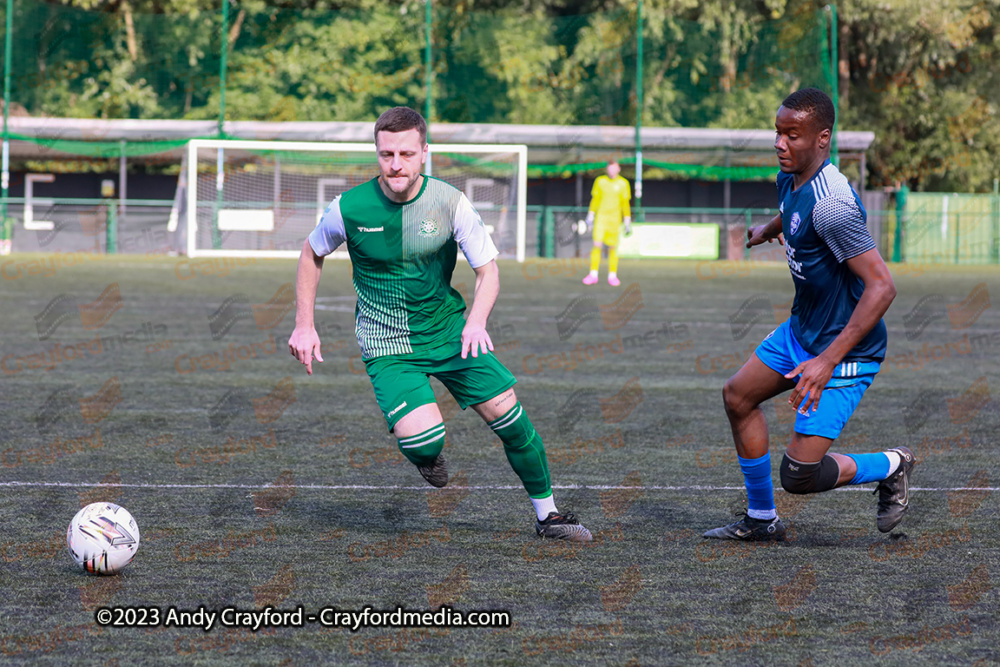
x: 871, y: 467
x: 760, y: 488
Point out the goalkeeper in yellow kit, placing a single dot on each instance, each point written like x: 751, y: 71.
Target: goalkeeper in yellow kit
x: 608, y: 210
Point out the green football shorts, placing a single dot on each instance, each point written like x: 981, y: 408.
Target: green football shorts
x: 401, y: 381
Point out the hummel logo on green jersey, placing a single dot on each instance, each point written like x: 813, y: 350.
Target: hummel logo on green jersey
x: 370, y: 229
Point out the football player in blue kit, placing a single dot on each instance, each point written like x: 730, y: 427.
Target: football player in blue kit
x: 828, y: 352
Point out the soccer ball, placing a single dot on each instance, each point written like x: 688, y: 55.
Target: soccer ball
x: 102, y: 538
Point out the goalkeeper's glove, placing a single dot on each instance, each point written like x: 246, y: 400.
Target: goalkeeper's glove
x: 588, y: 224
x: 628, y: 226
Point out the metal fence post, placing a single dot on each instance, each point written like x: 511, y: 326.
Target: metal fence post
x: 111, y: 228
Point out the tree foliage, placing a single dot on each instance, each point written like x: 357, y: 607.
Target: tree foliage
x: 921, y: 75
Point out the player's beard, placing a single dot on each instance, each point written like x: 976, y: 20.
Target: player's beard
x: 410, y: 180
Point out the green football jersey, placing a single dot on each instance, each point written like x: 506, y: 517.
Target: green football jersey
x: 403, y: 256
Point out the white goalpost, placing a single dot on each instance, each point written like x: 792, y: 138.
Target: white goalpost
x: 262, y: 198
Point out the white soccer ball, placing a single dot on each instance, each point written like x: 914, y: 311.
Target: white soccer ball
x: 102, y: 538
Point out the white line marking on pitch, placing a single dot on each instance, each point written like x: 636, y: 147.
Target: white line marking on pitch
x: 365, y: 487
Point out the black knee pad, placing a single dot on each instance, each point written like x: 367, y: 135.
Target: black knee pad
x: 809, y: 477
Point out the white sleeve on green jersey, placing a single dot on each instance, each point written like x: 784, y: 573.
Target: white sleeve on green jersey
x: 330, y: 232
x: 471, y: 235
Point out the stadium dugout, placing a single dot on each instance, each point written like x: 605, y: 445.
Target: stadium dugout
x: 67, y: 166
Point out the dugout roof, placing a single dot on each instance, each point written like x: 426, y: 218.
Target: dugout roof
x: 553, y: 150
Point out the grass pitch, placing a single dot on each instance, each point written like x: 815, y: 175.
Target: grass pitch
x: 165, y: 385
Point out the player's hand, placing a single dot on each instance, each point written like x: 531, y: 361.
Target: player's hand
x: 475, y: 339
x: 815, y: 373
x: 304, y: 344
x: 628, y: 226
x: 588, y: 224
x: 760, y: 233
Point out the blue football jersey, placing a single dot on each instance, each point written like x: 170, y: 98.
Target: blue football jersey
x: 824, y: 224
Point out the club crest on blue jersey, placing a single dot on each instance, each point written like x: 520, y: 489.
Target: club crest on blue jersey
x: 794, y: 225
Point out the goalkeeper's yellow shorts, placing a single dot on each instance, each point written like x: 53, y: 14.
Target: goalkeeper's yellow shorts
x: 607, y: 230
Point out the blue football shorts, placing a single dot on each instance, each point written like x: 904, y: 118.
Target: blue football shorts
x: 781, y: 352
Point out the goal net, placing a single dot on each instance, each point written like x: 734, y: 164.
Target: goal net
x: 262, y: 198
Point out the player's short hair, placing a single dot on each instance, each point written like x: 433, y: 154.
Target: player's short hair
x: 401, y: 119
x: 814, y: 102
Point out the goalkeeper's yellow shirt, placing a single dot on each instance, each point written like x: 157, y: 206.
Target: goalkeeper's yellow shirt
x: 609, y: 199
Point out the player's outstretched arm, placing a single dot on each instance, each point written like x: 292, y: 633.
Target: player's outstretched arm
x: 767, y: 232
x: 474, y: 335
x: 304, y: 342
x: 874, y: 302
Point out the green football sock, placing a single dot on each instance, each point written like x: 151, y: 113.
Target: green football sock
x: 524, y: 450
x: 423, y: 448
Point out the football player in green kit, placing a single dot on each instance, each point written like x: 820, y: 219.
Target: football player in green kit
x: 403, y: 230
